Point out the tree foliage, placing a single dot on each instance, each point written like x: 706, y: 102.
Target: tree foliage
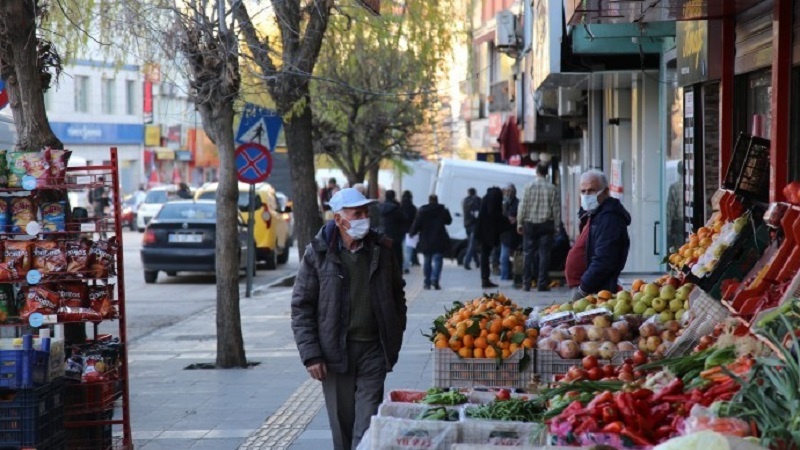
x: 376, y: 82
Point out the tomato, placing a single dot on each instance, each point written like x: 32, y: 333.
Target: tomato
x: 626, y: 377
x: 573, y: 373
x: 639, y: 374
x: 504, y: 394
x: 609, y: 370
x: 627, y: 368
x: 639, y: 357
x: 595, y: 373
x: 628, y: 361
x: 589, y: 362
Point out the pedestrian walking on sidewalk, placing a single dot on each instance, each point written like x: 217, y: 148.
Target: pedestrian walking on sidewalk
x: 433, y: 239
x: 491, y: 224
x: 471, y: 206
x: 510, y: 240
x: 539, y: 212
x: 394, y: 223
x: 410, y: 211
x: 349, y: 315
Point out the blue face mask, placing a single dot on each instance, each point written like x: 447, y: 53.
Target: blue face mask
x: 358, y: 228
x: 589, y: 202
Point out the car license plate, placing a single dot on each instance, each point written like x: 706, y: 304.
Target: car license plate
x: 186, y: 238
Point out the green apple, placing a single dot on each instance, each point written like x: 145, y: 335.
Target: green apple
x: 639, y: 307
x: 622, y: 308
x: 565, y: 307
x: 581, y: 305
x: 649, y: 312
x: 637, y: 296
x: 647, y: 300
x: 652, y: 289
x: 675, y: 305
x: 665, y: 316
x: 679, y: 314
x: 686, y: 304
x: 624, y: 295
x: 612, y: 303
x: 667, y: 292
x: 659, y: 304
x: 607, y: 307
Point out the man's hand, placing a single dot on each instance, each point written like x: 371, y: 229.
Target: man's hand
x: 317, y: 371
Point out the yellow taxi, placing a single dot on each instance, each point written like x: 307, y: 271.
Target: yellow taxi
x: 270, y: 230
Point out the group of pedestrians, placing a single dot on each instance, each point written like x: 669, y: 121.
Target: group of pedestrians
x: 348, y: 304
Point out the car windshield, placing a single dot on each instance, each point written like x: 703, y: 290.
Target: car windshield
x: 188, y: 211
x: 156, y: 197
x: 212, y: 195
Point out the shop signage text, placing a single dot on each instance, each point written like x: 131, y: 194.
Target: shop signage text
x: 98, y: 133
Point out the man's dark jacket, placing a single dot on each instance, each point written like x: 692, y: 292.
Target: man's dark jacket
x: 430, y: 225
x: 393, y: 220
x: 491, y: 221
x: 321, y: 300
x: 470, y: 206
x: 607, y: 247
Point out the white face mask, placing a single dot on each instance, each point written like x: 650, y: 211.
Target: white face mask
x: 589, y: 202
x: 358, y: 228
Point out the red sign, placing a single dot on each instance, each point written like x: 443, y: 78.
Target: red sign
x: 147, y: 102
x: 253, y: 163
x: 3, y: 95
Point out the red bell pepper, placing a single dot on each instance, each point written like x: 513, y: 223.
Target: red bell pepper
x: 587, y: 426
x: 674, y: 387
x: 614, y: 427
x: 663, y: 433
x: 642, y: 394
x: 609, y: 414
x: 605, y: 397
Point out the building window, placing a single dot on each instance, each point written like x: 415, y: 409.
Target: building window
x: 130, y: 97
x: 81, y: 93
x: 108, y: 93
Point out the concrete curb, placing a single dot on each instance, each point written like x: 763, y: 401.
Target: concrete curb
x: 287, y: 281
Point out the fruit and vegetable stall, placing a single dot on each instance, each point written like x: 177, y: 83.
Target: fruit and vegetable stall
x: 705, y: 356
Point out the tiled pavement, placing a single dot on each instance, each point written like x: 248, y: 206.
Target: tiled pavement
x: 273, y: 405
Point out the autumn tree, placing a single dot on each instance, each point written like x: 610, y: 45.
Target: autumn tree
x: 376, y: 84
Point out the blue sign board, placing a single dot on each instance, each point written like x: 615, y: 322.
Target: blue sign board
x: 98, y: 133
x: 259, y: 125
x: 253, y: 163
x: 3, y: 95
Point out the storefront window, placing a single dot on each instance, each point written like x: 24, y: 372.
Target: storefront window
x: 673, y: 169
x: 759, y: 98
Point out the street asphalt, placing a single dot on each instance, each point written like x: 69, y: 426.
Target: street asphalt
x: 273, y: 405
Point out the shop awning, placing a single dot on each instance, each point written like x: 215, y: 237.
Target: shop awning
x: 630, y: 11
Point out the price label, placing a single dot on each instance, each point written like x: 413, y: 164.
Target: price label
x: 33, y: 228
x: 36, y: 319
x: 33, y: 276
x: 50, y: 319
x: 29, y: 182
x: 90, y: 227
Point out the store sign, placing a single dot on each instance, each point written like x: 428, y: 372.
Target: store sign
x: 98, y: 133
x: 547, y: 26
x: 183, y: 155
x: 174, y: 133
x: 152, y: 135
x: 164, y: 153
x: 147, y: 103
x: 697, y: 56
x: 615, y: 186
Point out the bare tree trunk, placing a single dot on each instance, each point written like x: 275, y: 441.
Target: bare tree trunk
x: 18, y: 30
x: 230, y: 344
x: 373, y: 181
x: 301, y: 163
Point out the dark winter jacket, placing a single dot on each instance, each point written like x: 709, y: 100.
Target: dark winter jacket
x: 430, y: 225
x: 409, y: 211
x: 393, y: 220
x: 607, y: 247
x: 321, y: 305
x: 511, y: 238
x: 491, y: 221
x: 470, y: 206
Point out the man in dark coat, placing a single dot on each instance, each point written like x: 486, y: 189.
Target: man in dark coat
x: 433, y: 238
x: 394, y: 223
x: 410, y: 211
x: 470, y: 207
x: 510, y: 240
x: 491, y: 224
x: 603, y: 251
x: 349, y: 315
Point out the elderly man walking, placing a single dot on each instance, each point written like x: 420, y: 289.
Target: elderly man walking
x: 539, y: 212
x: 349, y: 315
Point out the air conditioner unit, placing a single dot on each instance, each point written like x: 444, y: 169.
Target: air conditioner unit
x: 569, y: 102
x: 546, y: 102
x: 506, y: 38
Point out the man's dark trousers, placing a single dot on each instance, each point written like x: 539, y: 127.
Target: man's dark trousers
x: 537, y: 242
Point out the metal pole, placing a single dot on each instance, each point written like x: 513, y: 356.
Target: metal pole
x: 251, y: 251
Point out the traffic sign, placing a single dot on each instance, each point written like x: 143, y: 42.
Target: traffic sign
x: 259, y: 125
x: 3, y: 95
x: 253, y: 163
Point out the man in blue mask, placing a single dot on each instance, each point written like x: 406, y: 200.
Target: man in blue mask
x: 596, y: 260
x: 349, y: 315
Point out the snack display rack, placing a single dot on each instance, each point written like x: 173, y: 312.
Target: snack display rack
x: 96, y: 409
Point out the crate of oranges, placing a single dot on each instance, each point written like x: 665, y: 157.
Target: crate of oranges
x: 483, y: 342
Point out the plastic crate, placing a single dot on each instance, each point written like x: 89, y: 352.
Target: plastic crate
x: 91, y: 436
x: 753, y: 181
x: 496, y: 432
x: 706, y: 313
x: 23, y: 369
x: 549, y: 363
x: 90, y: 398
x: 389, y: 433
x: 31, y: 417
x: 450, y: 370
x: 409, y: 410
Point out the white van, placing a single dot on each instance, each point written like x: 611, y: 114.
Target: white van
x: 8, y: 132
x: 457, y: 176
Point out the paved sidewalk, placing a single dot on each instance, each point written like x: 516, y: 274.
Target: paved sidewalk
x: 273, y: 405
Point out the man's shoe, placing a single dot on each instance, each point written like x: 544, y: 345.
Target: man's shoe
x: 495, y: 271
x: 437, y: 287
x: 467, y: 267
x: 543, y: 289
x: 406, y: 271
x: 526, y: 289
x: 488, y: 284
x: 427, y: 287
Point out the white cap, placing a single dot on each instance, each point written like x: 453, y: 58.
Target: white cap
x: 348, y: 198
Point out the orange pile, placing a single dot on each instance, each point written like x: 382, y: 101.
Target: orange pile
x: 697, y: 244
x: 487, y: 327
